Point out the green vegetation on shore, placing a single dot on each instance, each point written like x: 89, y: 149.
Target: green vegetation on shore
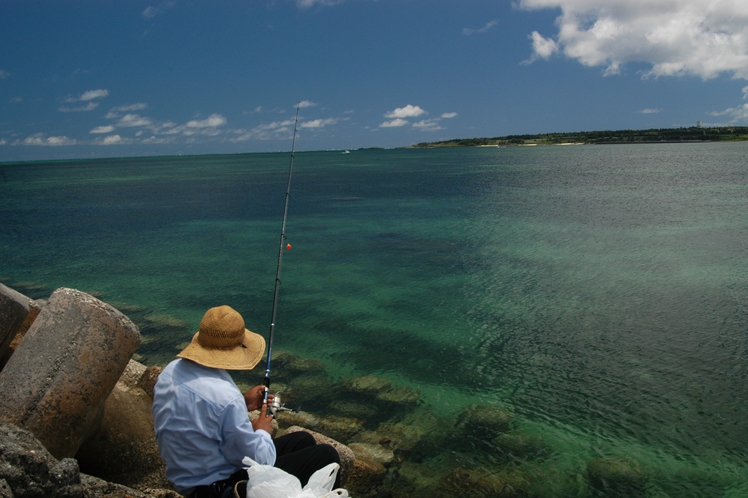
x: 693, y: 134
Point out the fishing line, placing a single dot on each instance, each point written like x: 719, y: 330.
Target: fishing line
x: 266, y: 382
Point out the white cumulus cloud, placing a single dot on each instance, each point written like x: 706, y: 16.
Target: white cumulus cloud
x: 650, y: 111
x: 306, y: 103
x: 703, y: 38
x: 130, y: 120
x: 211, y: 121
x: 112, y: 140
x: 449, y: 115
x: 319, y: 123
x: 409, y: 111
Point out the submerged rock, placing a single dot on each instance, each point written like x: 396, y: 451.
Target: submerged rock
x: 300, y: 418
x: 356, y: 410
x: 292, y: 365
x: 340, y: 428
x: 463, y: 482
x: 365, y: 477
x: 372, y: 453
x: 486, y: 421
x: 520, y: 445
x: 368, y: 384
x: 617, y: 476
x: 400, y: 436
x: 399, y: 395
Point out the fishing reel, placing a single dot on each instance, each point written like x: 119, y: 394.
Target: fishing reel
x: 275, y: 405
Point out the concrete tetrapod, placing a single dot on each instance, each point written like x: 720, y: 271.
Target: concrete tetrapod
x: 58, y: 379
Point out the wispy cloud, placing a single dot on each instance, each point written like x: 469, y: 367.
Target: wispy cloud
x: 87, y: 96
x: 449, y: 115
x: 428, y: 125
x: 674, y: 37
x: 470, y: 31
x: 306, y: 103
x: 102, y: 129
x: 133, y: 120
x: 305, y: 4
x: 151, y: 11
x: 88, y: 107
x: 130, y: 107
x: 649, y: 111
x: 4, y: 74
x: 93, y: 94
x: 395, y: 123
x: 266, y: 131
x: 39, y: 139
x: 738, y: 114
x: 745, y: 92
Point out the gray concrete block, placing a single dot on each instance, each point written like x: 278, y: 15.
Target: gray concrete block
x: 57, y: 381
x: 14, y: 308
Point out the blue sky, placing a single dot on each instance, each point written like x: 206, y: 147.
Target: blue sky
x: 128, y: 78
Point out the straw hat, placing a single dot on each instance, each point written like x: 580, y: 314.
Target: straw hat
x: 223, y: 342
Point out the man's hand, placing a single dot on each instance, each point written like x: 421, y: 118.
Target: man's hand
x: 254, y: 398
x: 263, y: 421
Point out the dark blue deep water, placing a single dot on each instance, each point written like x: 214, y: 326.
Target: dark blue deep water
x: 599, y: 293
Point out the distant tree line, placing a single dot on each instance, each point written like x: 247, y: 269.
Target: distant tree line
x: 693, y: 134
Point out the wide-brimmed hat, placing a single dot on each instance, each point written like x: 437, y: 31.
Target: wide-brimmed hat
x: 224, y: 342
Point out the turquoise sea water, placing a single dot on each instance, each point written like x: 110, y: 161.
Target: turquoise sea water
x: 600, y: 293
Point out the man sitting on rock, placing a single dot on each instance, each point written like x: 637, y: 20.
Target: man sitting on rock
x: 201, y: 418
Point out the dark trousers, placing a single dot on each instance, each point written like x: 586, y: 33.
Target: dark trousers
x: 296, y: 453
x: 299, y: 455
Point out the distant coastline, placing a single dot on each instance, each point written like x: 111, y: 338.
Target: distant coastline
x: 660, y: 135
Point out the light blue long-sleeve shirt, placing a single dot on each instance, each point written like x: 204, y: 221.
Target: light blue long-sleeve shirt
x: 202, y: 427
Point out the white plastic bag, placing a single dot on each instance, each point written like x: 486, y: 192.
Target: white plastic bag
x: 321, y: 482
x: 266, y: 481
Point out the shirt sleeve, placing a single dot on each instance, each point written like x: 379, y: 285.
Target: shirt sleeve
x: 239, y: 439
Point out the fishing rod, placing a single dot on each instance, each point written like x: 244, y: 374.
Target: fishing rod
x: 276, y: 404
